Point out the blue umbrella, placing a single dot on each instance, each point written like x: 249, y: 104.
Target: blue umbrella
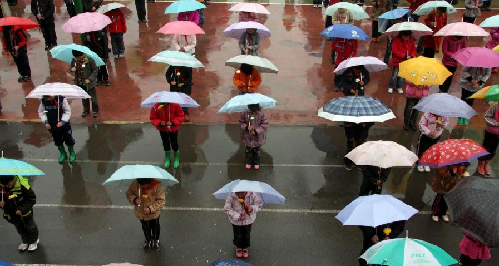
x: 183, y: 6
x: 15, y: 167
x: 3, y: 263
x: 240, y: 103
x: 356, y: 109
x: 128, y: 173
x: 230, y: 262
x: 444, y: 104
x: 267, y: 193
x: 394, y: 14
x: 345, y: 31
x: 65, y: 53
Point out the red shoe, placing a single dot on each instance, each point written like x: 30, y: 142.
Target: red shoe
x: 239, y: 253
x: 481, y: 167
x: 257, y: 167
x: 486, y: 168
x: 245, y: 253
x: 248, y: 166
x: 494, y: 70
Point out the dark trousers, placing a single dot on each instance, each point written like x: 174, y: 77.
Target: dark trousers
x: 439, y: 206
x: 86, y: 102
x: 71, y: 8
x: 201, y: 17
x: 375, y: 32
x: 464, y: 96
x: 48, y: 32
x: 446, y: 85
x: 252, y: 155
x: 151, y: 229
x: 415, y: 17
x: 26, y: 228
x: 102, y: 73
x: 62, y: 135
x: 242, y: 235
x: 368, y: 187
x: 22, y: 62
x: 388, y: 52
x: 169, y: 139
x: 425, y: 143
x: 490, y: 143
x: 140, y: 5
x: 467, y: 261
x: 366, y: 244
x: 469, y: 19
x: 117, y: 43
x: 428, y: 52
x: 337, y: 79
x: 356, y: 135
x: 410, y: 114
x: 186, y: 90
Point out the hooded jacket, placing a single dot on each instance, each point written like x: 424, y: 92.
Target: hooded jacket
x: 234, y: 208
x: 89, y: 69
x: 119, y: 24
x: 428, y: 124
x: 344, y: 48
x: 247, y: 83
x: 167, y: 112
x: 152, y: 196
x: 400, y: 49
x: 494, y: 41
x: 449, y: 47
x: 20, y: 197
x: 259, y: 122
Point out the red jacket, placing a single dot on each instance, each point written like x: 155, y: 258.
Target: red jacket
x: 415, y: 4
x: 400, y: 48
x: 119, y: 22
x: 169, y: 112
x: 345, y: 49
x: 441, y: 21
x: 17, y: 38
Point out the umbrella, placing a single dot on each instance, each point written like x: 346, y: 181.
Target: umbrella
x: 237, y: 29
x: 109, y: 7
x: 375, y: 210
x: 424, y: 71
x: 496, y: 48
x: 477, y: 57
x: 345, y: 31
x: 407, y: 252
x: 444, y: 104
x: 240, y: 103
x: 474, y: 207
x: 128, y: 173
x: 263, y: 65
x: 490, y: 93
x: 230, y: 262
x: 176, y: 58
x: 180, y: 98
x: 384, y: 154
x: 183, y: 6
x: 65, y: 53
x: 15, y: 167
x: 452, y: 151
x: 490, y: 22
x: 3, y: 263
x: 24, y: 23
x: 356, y: 109
x: 267, y: 193
x: 427, y: 7
x: 462, y: 29
x: 394, y: 14
x: 417, y: 29
x: 249, y: 7
x: 122, y: 264
x: 357, y: 11
x: 181, y: 28
x: 86, y: 22
x: 57, y: 88
x: 372, y: 64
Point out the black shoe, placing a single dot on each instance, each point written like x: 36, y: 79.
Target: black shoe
x: 106, y: 82
x: 406, y: 127
x: 348, y: 167
x: 84, y: 114
x: 20, y: 79
x: 97, y: 83
x: 26, y: 79
x: 147, y: 246
x: 47, y: 47
x: 95, y: 114
x: 155, y: 245
x: 414, y: 128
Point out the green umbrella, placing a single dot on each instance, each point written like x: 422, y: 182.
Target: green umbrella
x: 490, y: 93
x: 357, y: 11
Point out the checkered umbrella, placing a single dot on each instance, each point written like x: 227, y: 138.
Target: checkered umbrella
x: 474, y: 207
x: 356, y: 109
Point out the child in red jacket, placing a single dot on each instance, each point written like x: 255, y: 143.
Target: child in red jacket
x: 403, y: 48
x: 116, y: 30
x: 344, y: 49
x: 436, y: 20
x: 167, y: 118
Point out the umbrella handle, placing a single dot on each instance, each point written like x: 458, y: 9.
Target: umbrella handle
x: 139, y: 196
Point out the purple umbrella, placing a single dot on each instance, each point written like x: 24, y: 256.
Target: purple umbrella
x: 237, y: 29
x: 477, y: 57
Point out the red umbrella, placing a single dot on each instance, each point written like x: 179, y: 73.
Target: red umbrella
x: 452, y: 151
x: 24, y: 23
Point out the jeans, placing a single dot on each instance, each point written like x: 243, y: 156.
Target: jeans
x: 151, y: 229
x: 140, y: 5
x: 62, y: 135
x: 169, y: 139
x: 410, y: 114
x: 22, y: 62
x: 445, y: 87
x: 395, y: 79
x: 86, y: 102
x: 242, y: 235
x: 117, y: 43
x: 375, y: 32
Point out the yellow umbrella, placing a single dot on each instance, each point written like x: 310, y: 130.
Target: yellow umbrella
x: 424, y: 71
x: 496, y: 48
x: 481, y: 93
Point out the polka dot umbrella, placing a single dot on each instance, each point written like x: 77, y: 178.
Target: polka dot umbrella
x: 452, y: 151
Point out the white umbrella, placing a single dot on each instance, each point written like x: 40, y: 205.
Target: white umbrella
x: 384, y: 154
x: 240, y: 103
x: 427, y: 7
x: 169, y: 97
x: 176, y: 58
x: 249, y: 7
x: 58, y: 89
x: 267, y: 193
x: 237, y: 29
x: 357, y: 11
x: 417, y: 29
x: 263, y: 65
x: 372, y: 64
x: 111, y: 6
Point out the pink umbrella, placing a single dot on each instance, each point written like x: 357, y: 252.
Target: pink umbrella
x: 462, y: 29
x: 86, y: 22
x: 249, y: 7
x: 477, y: 57
x: 181, y: 28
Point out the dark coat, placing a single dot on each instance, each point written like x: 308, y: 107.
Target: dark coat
x: 45, y: 8
x: 184, y: 77
x: 397, y: 228
x: 445, y: 179
x: 90, y: 70
x: 373, y: 173
x: 20, y: 197
x: 88, y: 4
x: 348, y: 82
x: 98, y: 43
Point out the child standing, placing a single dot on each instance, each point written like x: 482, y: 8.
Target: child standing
x: 97, y: 42
x: 432, y: 126
x: 180, y: 79
x: 247, y: 79
x: 414, y: 94
x: 116, y: 29
x: 490, y: 139
x: 436, y: 20
x: 249, y: 43
x: 450, y: 45
x: 472, y: 10
x: 85, y: 71
x: 241, y: 207
x: 254, y: 124
x: 379, y: 7
x: 445, y: 179
x: 16, y: 43
x: 472, y: 79
x: 403, y: 48
x: 354, y: 80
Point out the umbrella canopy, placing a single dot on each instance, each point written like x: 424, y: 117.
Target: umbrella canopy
x: 230, y: 262
x: 417, y: 29
x: 111, y: 6
x: 65, y: 53
x: 249, y: 7
x: 462, y: 29
x: 176, y: 58
x: 237, y: 29
x: 128, y: 173
x: 263, y: 65
x: 496, y: 48
x: 58, y: 88
x: 86, y: 22
x: 427, y: 7
x: 395, y: 13
x: 490, y: 93
x: 122, y: 264
x: 444, y: 104
x: 356, y: 109
x: 424, y: 71
x: 180, y: 98
x: 407, y: 252
x: 452, y: 151
x: 16, y: 167
x: 345, y: 31
x: 181, y: 28
x: 372, y: 64
x: 374, y: 210
x: 477, y: 57
x: 24, y: 23
x: 183, y: 6
x: 474, y: 207
x: 490, y: 22
x: 240, y: 103
x: 267, y: 193
x: 384, y: 154
x: 357, y: 11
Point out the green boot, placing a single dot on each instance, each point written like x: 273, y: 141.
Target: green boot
x: 167, y: 159
x: 72, y: 154
x: 63, y: 155
x: 460, y: 121
x: 176, y: 161
x: 465, y: 121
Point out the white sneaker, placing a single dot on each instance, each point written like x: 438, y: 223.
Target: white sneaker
x: 390, y: 90
x: 22, y: 247
x: 399, y: 90
x: 427, y: 168
x: 116, y: 56
x: 420, y: 168
x: 34, y: 246
x: 434, y: 218
x: 445, y: 218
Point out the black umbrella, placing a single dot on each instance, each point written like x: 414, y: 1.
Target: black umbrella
x: 474, y: 207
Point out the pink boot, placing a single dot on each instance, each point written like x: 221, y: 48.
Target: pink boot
x: 481, y: 167
x: 486, y: 168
